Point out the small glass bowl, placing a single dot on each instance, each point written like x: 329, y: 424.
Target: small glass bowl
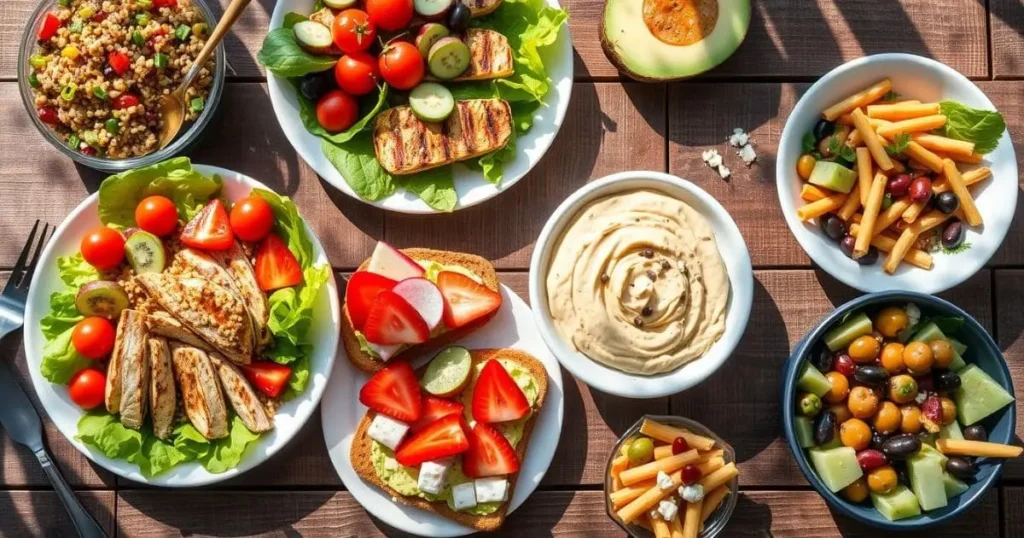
x: 188, y: 136
x: 719, y: 518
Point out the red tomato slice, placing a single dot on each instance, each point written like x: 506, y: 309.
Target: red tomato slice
x: 103, y: 248
x: 268, y: 377
x: 276, y: 266
x: 93, y: 337
x: 210, y: 229
x: 252, y: 218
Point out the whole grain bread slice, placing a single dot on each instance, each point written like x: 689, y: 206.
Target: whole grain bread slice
x: 478, y: 265
x: 363, y: 464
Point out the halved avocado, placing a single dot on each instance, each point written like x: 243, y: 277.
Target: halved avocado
x: 664, y: 40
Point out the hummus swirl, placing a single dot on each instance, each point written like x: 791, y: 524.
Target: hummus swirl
x: 637, y: 283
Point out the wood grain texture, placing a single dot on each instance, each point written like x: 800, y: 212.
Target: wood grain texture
x: 1006, y: 18
x: 1009, y: 332
x: 40, y: 513
x: 1013, y: 509
x: 1008, y: 97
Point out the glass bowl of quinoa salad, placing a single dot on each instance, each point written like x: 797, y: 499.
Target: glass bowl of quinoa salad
x: 92, y: 73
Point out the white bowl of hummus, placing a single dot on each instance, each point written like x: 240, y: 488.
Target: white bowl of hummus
x: 641, y: 284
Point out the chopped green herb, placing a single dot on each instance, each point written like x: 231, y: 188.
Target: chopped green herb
x: 75, y: 27
x: 142, y: 19
x: 112, y: 126
x: 887, y: 201
x: 68, y: 93
x: 74, y: 141
x: 137, y: 38
x: 958, y: 249
x: 891, y: 96
x: 64, y: 3
x: 181, y: 32
x: 808, y: 142
x: 838, y: 149
x: 196, y: 105
x: 90, y: 138
x: 99, y: 92
x: 38, y: 60
x: 160, y: 60
x: 33, y: 80
x: 899, y: 145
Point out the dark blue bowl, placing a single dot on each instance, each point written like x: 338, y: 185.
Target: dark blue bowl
x: 981, y: 350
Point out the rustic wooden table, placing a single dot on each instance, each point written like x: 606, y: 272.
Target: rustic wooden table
x: 612, y: 125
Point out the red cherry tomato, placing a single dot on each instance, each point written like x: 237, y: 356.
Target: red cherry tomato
x: 103, y: 248
x: 157, y: 215
x: 49, y: 27
x: 87, y: 388
x: 353, y: 31
x: 119, y: 62
x: 390, y: 15
x: 845, y: 365
x: 125, y: 100
x: 48, y: 114
x: 401, y: 65
x: 93, y: 337
x: 337, y: 111
x: 357, y: 73
x: 252, y: 218
x: 165, y: 3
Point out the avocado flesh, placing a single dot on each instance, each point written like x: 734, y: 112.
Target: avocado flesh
x: 631, y: 46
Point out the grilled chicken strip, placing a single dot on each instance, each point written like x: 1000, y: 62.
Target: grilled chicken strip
x: 200, y: 391
x: 163, y: 324
x: 405, y: 144
x: 241, y: 395
x: 163, y: 397
x: 213, y: 312
x: 490, y: 55
x: 135, y: 382
x: 244, y: 278
x: 129, y: 347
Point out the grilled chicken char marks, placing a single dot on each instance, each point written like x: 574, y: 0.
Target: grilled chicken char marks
x: 163, y: 397
x: 129, y: 346
x: 490, y: 55
x: 243, y: 398
x: 200, y: 391
x: 243, y: 276
x: 160, y: 323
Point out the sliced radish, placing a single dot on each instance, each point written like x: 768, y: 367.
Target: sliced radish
x: 425, y: 297
x: 390, y: 262
x: 385, y: 352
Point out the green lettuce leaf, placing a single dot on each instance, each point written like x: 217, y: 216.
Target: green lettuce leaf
x: 174, y: 178
x: 74, y: 270
x: 289, y: 226
x: 291, y: 316
x: 283, y: 56
x: 216, y: 456
x: 60, y: 360
x: 357, y: 163
x: 983, y: 127
x: 436, y: 187
x: 292, y: 18
x: 368, y: 109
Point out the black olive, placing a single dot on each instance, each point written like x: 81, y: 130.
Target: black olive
x: 833, y: 226
x: 823, y: 128
x: 823, y: 360
x: 947, y: 202
x: 953, y: 234
x: 975, y: 432
x: 901, y: 447
x: 871, y: 375
x: 961, y: 468
x: 946, y: 380
x: 869, y: 257
x: 878, y: 439
x: 314, y: 85
x: 458, y: 18
x: 847, y: 244
x: 825, y: 429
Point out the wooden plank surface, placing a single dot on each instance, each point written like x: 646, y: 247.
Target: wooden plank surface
x: 1006, y: 19
x: 1013, y: 508
x: 1009, y: 331
x: 40, y: 513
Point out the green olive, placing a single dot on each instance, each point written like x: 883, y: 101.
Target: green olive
x: 641, y: 451
x: 810, y: 405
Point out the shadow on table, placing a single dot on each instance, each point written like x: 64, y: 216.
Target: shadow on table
x: 569, y: 461
x: 750, y: 518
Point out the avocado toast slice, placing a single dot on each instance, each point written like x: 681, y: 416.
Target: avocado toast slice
x: 362, y: 452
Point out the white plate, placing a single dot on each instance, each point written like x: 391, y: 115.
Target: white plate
x: 913, y: 77
x: 737, y: 262
x: 341, y: 411
x: 65, y: 414
x: 470, y: 185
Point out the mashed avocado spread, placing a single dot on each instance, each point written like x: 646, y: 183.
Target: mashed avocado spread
x: 405, y: 479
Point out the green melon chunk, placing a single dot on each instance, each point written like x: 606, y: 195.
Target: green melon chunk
x: 900, y: 504
x: 926, y: 480
x: 978, y: 396
x: 813, y: 381
x: 951, y: 431
x: 837, y: 467
x: 954, y: 486
x: 848, y: 331
x: 803, y: 427
x: 832, y: 176
x: 932, y: 452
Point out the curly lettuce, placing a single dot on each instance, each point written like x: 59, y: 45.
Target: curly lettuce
x: 174, y: 178
x: 60, y: 360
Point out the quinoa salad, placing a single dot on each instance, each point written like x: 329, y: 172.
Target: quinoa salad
x: 101, y: 66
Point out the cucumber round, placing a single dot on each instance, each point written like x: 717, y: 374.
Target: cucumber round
x: 448, y: 58
x: 432, y: 9
x: 339, y: 4
x: 313, y: 36
x: 431, y: 102
x: 448, y: 372
x: 429, y: 34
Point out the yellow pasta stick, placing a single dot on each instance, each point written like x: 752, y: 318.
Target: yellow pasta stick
x: 649, y: 498
x: 860, y: 247
x: 864, y: 174
x: 956, y: 182
x: 885, y: 243
x: 914, y: 125
x: 851, y: 205
x: 909, y: 236
x: 712, y: 501
x: 962, y: 447
x: 711, y: 466
x: 902, y: 111
x: 862, y: 98
x: 887, y: 217
x: 974, y: 158
x: 914, y: 211
x: 871, y: 140
x: 668, y: 434
x: 627, y: 494
x: 948, y: 146
x: 660, y: 527
x: 918, y: 153
x: 819, y: 208
x: 651, y: 469
x: 812, y: 193
x: 970, y: 178
x: 675, y: 525
x: 855, y: 139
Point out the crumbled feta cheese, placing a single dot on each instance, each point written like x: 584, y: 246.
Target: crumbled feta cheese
x: 391, y: 464
x: 724, y: 172
x: 387, y: 431
x: 491, y: 489
x: 668, y: 509
x: 708, y: 154
x: 464, y: 496
x: 739, y: 138
x: 691, y: 493
x: 921, y: 397
x: 664, y: 481
x: 913, y: 314
x: 715, y: 161
x: 432, y: 475
x: 747, y: 154
x: 653, y: 514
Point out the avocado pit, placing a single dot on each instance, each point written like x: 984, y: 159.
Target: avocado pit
x: 680, y: 22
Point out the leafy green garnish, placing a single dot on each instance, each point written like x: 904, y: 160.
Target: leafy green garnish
x: 886, y: 201
x: 982, y: 127
x: 291, y: 318
x: 292, y: 18
x: 899, y: 145
x: 175, y: 178
x: 838, y: 149
x: 891, y: 96
x: 963, y: 247
x: 808, y: 143
x: 369, y: 108
x: 283, y: 56
x: 60, y: 360
x: 358, y: 164
x: 289, y: 226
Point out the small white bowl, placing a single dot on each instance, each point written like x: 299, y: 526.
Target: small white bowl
x: 914, y: 77
x: 730, y: 245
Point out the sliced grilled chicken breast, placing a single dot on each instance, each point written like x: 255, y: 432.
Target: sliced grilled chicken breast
x: 241, y: 395
x: 200, y: 391
x: 161, y: 323
x: 479, y: 8
x: 405, y: 144
x: 163, y: 397
x: 213, y: 312
x: 243, y: 276
x: 135, y: 382
x: 490, y: 55
x: 192, y: 262
x: 130, y: 347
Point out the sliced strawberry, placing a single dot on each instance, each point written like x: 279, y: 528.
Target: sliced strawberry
x: 392, y: 320
x: 434, y: 409
x: 443, y: 438
x: 210, y: 229
x: 489, y: 454
x: 497, y: 397
x: 465, y: 300
x: 395, y: 392
x: 268, y: 377
x: 276, y: 266
x: 362, y: 289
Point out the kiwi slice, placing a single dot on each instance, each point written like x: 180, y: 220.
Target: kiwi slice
x: 101, y: 298
x: 448, y: 58
x: 429, y: 34
x: 448, y: 372
x: 431, y: 102
x: 145, y: 252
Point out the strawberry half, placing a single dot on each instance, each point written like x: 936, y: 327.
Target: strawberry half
x: 276, y: 266
x: 392, y: 320
x: 395, y: 392
x: 360, y: 293
x: 268, y: 377
x: 489, y: 454
x: 465, y: 300
x: 210, y: 229
x: 443, y: 438
x: 434, y: 409
x: 497, y: 397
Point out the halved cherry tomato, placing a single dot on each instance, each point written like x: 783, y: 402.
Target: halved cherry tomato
x: 165, y: 3
x: 210, y: 229
x: 125, y: 100
x: 401, y: 65
x: 390, y: 15
x: 119, y: 62
x: 48, y: 114
x: 268, y: 377
x: 252, y: 218
x: 276, y: 266
x: 93, y: 337
x: 49, y: 27
x: 357, y: 73
x: 87, y: 388
x: 103, y: 248
x: 337, y: 111
x: 353, y: 31
x: 157, y: 215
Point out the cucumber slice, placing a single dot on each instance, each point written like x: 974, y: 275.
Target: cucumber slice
x: 448, y: 58
x: 448, y: 372
x: 951, y: 431
x: 813, y: 381
x: 848, y: 331
x: 432, y: 9
x: 804, y: 430
x: 926, y: 481
x: 836, y: 467
x: 832, y: 176
x: 428, y: 35
x: 313, y: 36
x: 339, y: 4
x: 431, y: 102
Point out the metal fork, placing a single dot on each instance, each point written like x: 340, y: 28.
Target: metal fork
x: 17, y: 414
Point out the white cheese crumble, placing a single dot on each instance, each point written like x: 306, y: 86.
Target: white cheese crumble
x: 747, y: 154
x: 664, y: 481
x: 691, y: 493
x: 913, y: 314
x: 712, y: 158
x: 668, y: 509
x: 739, y: 138
x: 724, y: 172
x: 921, y: 397
x: 391, y: 464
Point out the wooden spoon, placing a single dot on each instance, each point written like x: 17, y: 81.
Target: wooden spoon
x: 172, y: 106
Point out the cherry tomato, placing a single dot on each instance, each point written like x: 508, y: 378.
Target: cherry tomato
x: 357, y: 73
x: 679, y: 445
x: 337, y: 111
x: 390, y: 14
x: 353, y: 31
x: 119, y: 62
x: 401, y: 65
x: 165, y: 3
x: 93, y: 337
x: 48, y: 114
x: 157, y: 215
x: 252, y: 218
x: 103, y: 248
x: 87, y: 388
x: 125, y: 100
